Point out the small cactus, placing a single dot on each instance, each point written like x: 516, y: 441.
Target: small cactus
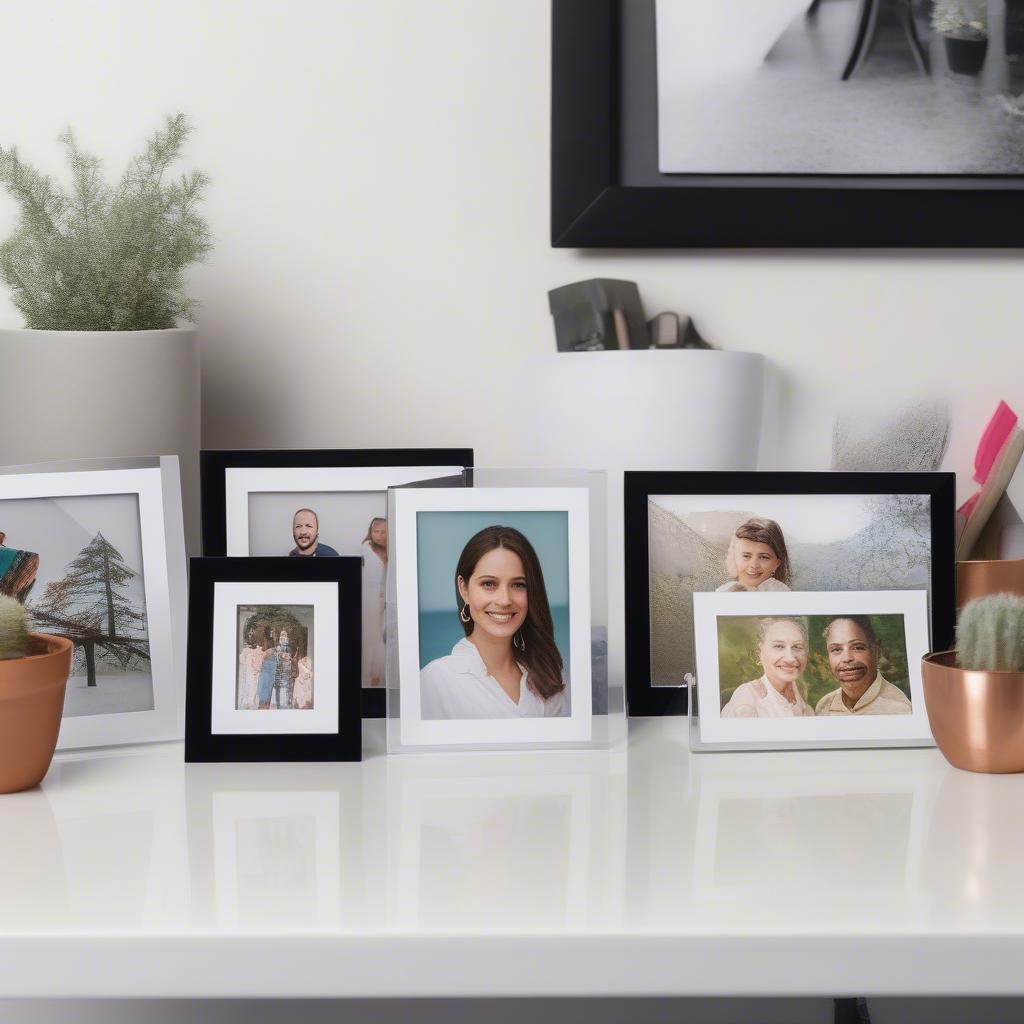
x: 990, y: 634
x: 13, y: 629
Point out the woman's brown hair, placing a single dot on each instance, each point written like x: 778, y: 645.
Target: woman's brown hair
x: 538, y: 653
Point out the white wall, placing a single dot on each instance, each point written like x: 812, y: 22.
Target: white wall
x: 380, y: 204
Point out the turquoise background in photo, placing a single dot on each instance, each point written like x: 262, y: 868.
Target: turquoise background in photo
x: 440, y: 538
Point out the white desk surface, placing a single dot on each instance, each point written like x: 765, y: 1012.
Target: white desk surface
x: 643, y: 870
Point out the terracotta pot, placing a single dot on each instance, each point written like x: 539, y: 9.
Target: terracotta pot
x: 31, y: 702
x: 977, y: 718
x: 991, y: 576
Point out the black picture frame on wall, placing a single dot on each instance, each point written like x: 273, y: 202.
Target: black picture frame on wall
x: 207, y: 674
x: 215, y: 465
x: 645, y: 699
x: 607, y: 192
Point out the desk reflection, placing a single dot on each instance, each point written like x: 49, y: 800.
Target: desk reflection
x: 496, y: 851
x: 120, y: 836
x: 974, y: 849
x: 274, y: 847
x: 276, y: 859
x: 811, y: 834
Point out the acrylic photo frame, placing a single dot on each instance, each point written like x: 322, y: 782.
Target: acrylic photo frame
x: 660, y: 689
x: 153, y: 486
x: 595, y: 715
x: 233, y: 480
x: 714, y: 614
x: 219, y: 726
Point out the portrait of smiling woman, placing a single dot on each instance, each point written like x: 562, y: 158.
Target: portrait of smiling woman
x: 782, y: 650
x: 507, y: 665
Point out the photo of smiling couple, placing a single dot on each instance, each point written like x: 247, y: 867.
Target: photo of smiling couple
x: 809, y: 666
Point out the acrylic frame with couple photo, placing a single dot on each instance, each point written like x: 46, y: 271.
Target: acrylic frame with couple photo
x: 328, y: 501
x: 808, y: 670
x: 823, y: 532
x: 550, y: 525
x: 99, y: 547
x: 307, y: 706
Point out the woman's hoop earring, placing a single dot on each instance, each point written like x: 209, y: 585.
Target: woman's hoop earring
x: 518, y: 640
x: 464, y: 615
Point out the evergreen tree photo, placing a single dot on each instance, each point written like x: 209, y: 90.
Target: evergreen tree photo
x: 92, y: 606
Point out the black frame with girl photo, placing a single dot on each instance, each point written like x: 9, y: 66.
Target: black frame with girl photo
x: 767, y: 532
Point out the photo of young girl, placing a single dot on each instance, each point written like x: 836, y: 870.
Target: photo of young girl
x: 768, y: 544
x: 757, y: 558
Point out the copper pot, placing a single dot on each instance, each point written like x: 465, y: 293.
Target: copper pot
x: 991, y: 576
x: 977, y: 718
x: 31, y: 704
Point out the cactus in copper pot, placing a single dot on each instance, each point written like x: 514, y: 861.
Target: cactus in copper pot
x: 14, y: 640
x: 990, y: 634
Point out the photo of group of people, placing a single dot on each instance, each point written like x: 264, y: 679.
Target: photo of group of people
x: 795, y: 666
x: 329, y: 524
x: 774, y: 544
x: 275, y: 658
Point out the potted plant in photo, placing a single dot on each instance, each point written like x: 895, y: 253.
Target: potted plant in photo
x: 963, y: 25
x: 107, y: 364
x: 34, y: 671
x: 975, y: 694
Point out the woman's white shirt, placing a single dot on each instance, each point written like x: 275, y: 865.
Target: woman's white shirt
x: 458, y: 686
x: 759, y: 699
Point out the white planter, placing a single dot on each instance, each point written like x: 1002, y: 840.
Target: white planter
x: 645, y: 409
x: 640, y: 409
x: 103, y: 394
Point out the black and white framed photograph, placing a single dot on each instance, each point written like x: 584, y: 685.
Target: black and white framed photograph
x: 810, y: 669
x: 772, y: 533
x: 317, y: 504
x: 273, y: 660
x: 95, y: 551
x: 818, y: 123
x: 493, y: 617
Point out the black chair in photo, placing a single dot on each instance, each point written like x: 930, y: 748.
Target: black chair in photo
x: 867, y: 27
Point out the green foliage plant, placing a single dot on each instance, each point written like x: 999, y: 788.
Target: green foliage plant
x: 965, y: 19
x: 14, y: 639
x: 104, y: 257
x: 990, y: 634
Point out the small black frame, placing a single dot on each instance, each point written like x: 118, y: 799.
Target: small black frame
x: 594, y: 205
x: 200, y: 743
x: 642, y: 698
x: 214, y: 464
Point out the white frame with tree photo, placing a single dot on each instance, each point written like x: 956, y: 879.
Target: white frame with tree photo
x: 156, y: 485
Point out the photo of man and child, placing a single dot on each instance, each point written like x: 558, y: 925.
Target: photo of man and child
x: 770, y: 544
x: 326, y: 525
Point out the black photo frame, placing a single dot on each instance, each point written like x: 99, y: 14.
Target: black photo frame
x: 214, y: 466
x: 201, y: 744
x: 607, y: 192
x: 645, y: 699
